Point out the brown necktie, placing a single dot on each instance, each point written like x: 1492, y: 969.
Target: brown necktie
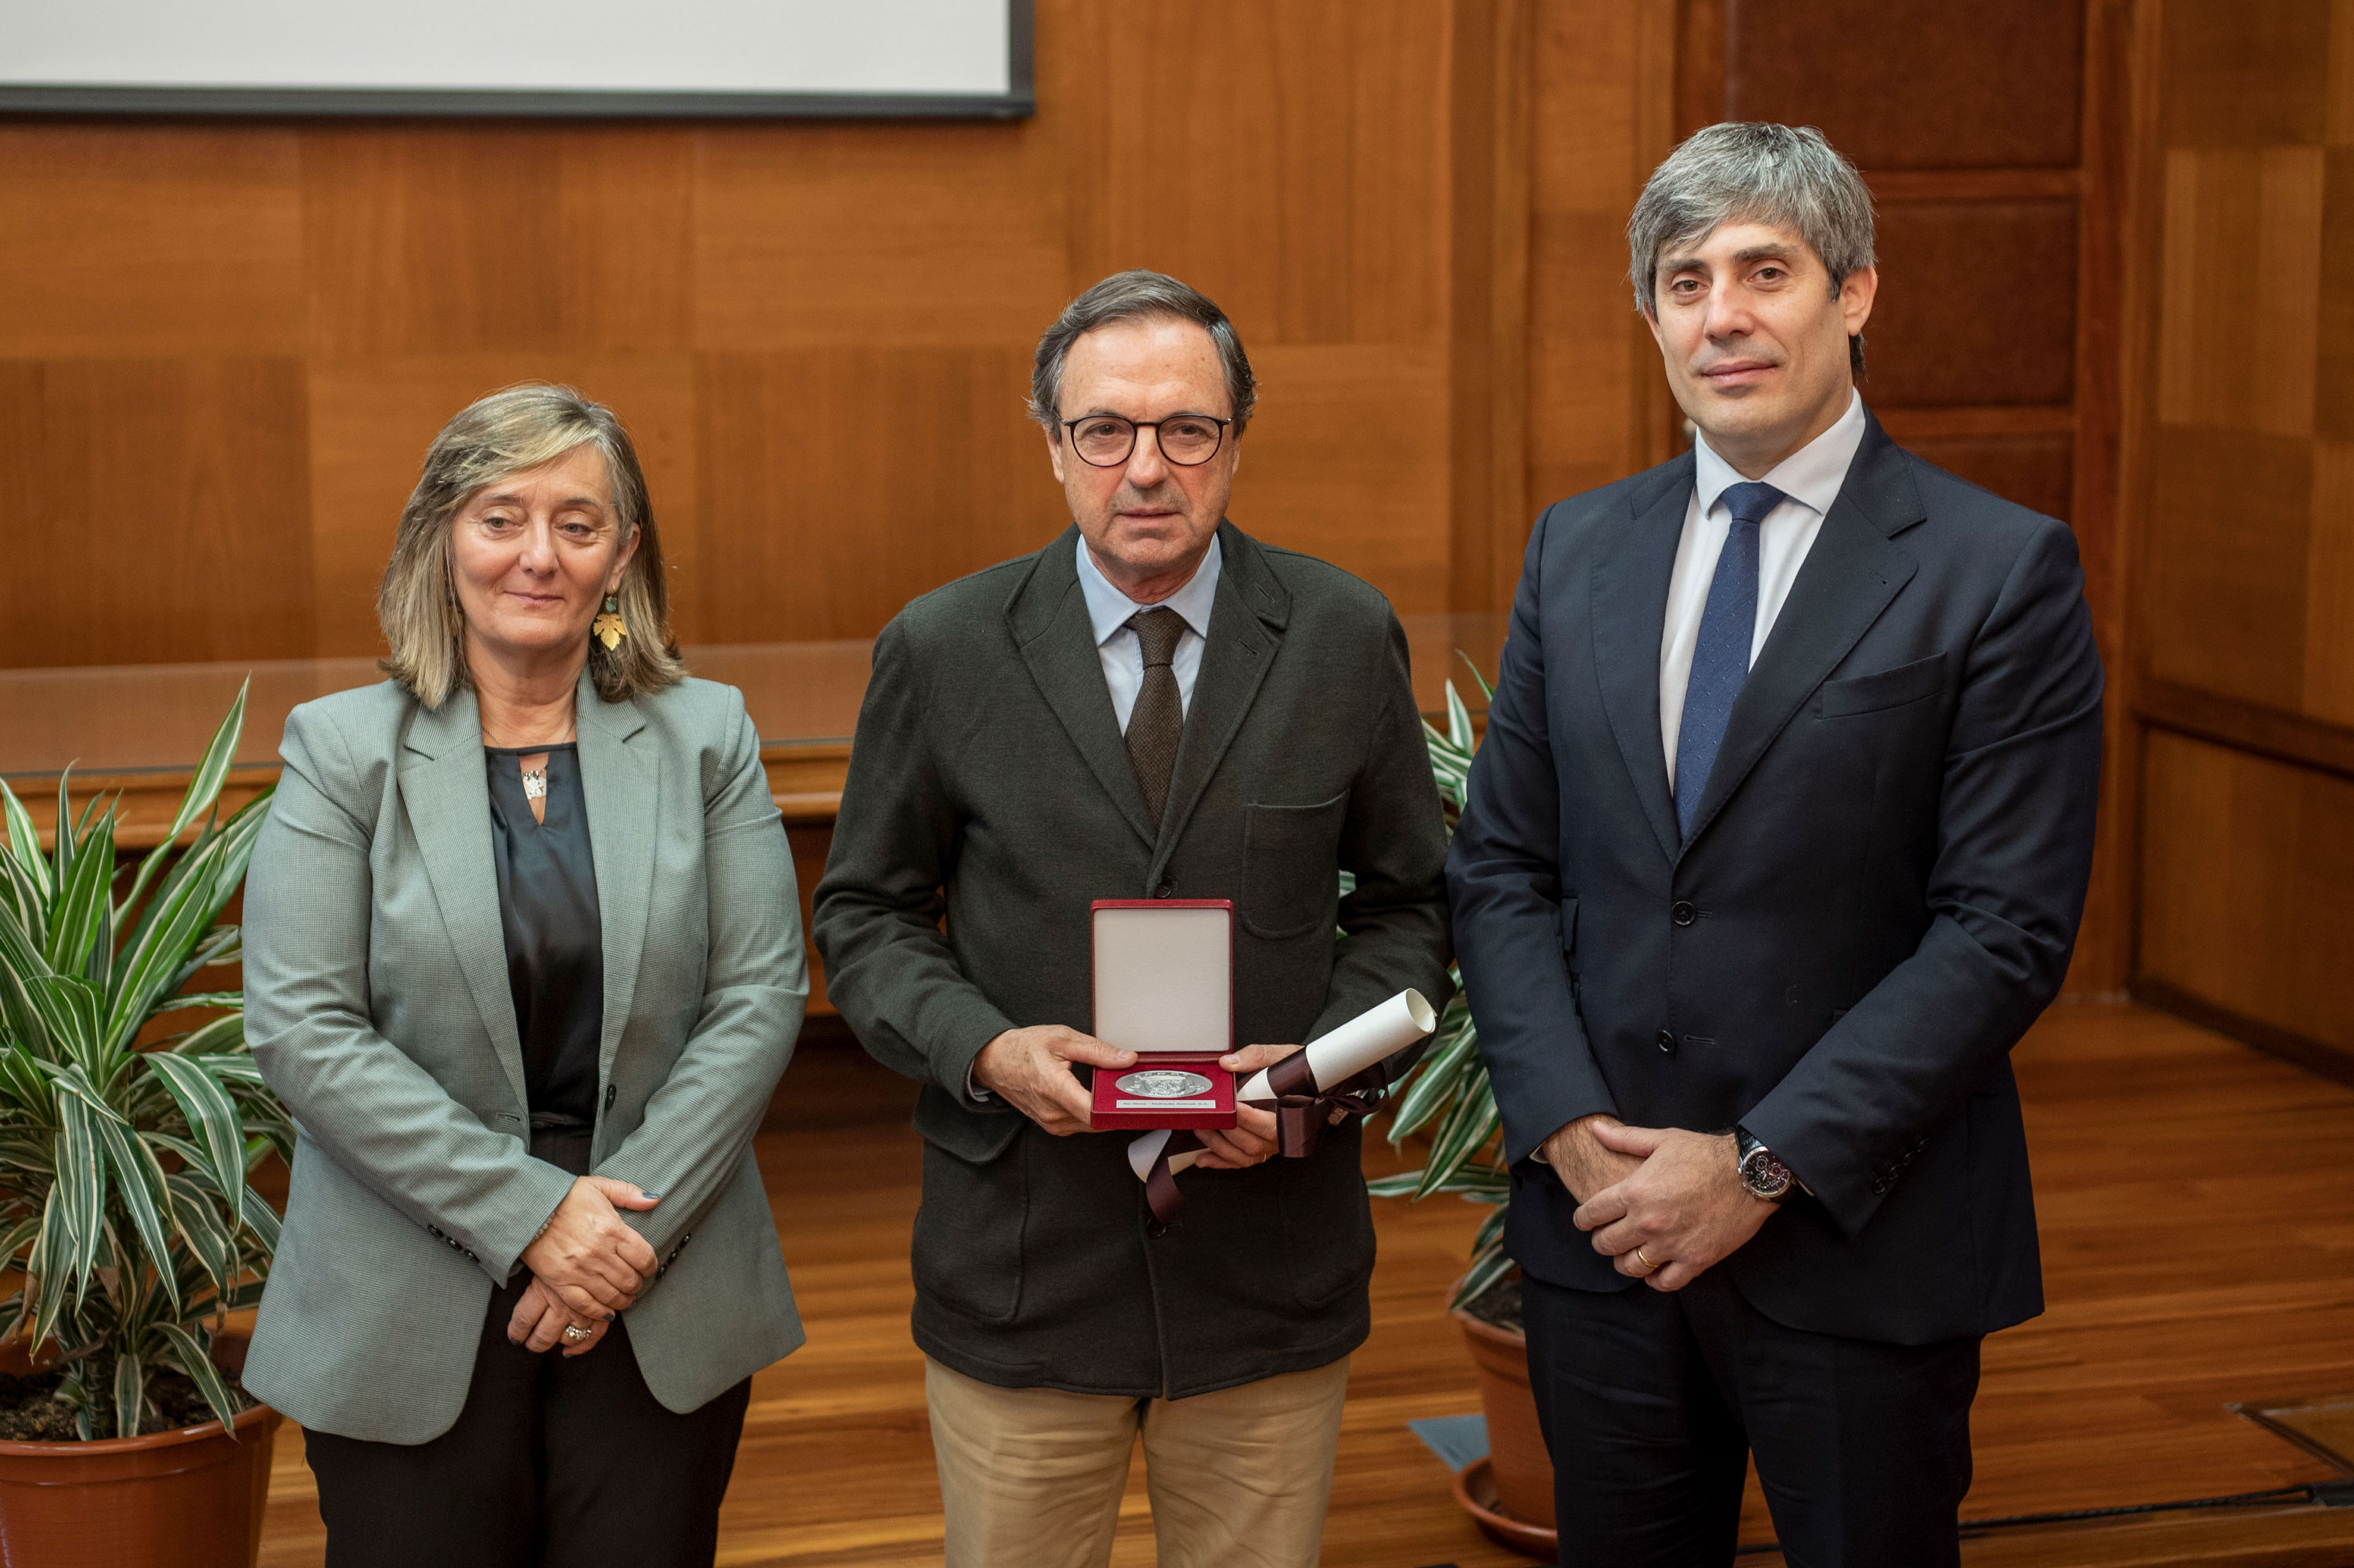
x: 1158, y: 719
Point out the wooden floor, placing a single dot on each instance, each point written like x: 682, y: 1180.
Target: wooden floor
x: 2197, y: 1202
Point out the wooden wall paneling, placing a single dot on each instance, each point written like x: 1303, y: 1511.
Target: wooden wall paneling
x: 837, y: 482
x: 2328, y: 691
x: 1489, y: 274
x: 1993, y: 84
x: 2242, y: 615
x: 1976, y: 304
x: 2036, y: 471
x: 149, y: 241
x: 2246, y: 73
x: 1290, y: 161
x: 876, y: 234
x: 451, y: 238
x: 372, y: 417
x: 1601, y: 96
x: 2230, y: 514
x: 157, y: 510
x: 2249, y: 876
x: 1349, y: 460
x: 2237, y: 324
x: 2105, y: 289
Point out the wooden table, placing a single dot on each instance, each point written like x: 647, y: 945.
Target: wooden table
x: 138, y: 731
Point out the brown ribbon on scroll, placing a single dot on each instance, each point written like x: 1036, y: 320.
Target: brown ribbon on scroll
x: 1302, y: 1111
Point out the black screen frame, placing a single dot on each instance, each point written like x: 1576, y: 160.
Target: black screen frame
x: 1019, y: 101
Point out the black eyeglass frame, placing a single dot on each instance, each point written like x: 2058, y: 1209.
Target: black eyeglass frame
x: 1071, y: 426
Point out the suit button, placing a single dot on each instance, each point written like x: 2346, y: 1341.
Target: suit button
x: 1666, y: 1042
x: 1682, y: 913
x: 1164, y: 891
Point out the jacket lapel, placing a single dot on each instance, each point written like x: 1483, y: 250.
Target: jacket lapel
x: 622, y: 784
x: 1048, y: 616
x: 444, y: 791
x: 1628, y: 614
x: 1849, y: 577
x: 1247, y: 615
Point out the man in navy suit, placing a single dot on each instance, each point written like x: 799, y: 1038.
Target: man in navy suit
x: 1776, y: 844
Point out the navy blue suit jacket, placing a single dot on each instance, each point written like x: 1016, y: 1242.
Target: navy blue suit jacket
x: 1880, y: 893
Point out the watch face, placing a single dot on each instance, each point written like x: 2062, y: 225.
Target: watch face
x: 1764, y: 1175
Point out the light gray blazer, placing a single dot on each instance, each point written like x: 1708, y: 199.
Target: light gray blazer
x: 377, y: 1004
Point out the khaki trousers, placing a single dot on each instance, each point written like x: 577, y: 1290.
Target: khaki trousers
x: 1031, y: 1478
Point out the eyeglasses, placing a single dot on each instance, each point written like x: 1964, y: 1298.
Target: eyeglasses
x: 1104, y: 441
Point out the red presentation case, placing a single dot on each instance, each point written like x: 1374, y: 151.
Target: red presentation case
x: 1163, y: 973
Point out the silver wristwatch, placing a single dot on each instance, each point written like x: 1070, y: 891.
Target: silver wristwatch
x: 1764, y: 1176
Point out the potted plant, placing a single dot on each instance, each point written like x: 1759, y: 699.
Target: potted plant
x: 1511, y: 1492
x: 126, y: 1219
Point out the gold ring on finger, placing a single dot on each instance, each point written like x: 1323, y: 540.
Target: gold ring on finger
x: 1645, y: 1259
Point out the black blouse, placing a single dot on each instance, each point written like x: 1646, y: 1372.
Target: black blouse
x: 555, y: 933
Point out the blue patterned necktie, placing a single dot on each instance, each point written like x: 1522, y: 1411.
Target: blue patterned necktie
x: 1728, y: 626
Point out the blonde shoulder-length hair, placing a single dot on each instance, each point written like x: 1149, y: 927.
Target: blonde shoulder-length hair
x: 503, y: 434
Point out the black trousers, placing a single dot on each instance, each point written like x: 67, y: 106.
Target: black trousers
x: 569, y: 1464
x: 1651, y: 1404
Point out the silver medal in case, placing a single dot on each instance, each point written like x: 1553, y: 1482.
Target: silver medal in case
x: 1162, y: 1083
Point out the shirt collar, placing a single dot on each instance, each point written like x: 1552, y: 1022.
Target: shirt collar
x: 1811, y: 475
x: 1108, y: 608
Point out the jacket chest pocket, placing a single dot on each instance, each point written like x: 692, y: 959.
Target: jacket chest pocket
x: 1291, y: 865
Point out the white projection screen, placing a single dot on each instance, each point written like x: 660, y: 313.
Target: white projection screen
x: 575, y: 58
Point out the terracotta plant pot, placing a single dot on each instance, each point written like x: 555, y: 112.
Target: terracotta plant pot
x: 187, y: 1498
x: 1517, y: 1476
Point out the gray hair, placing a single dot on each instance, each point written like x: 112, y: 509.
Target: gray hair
x: 1137, y: 296
x: 495, y: 437
x: 1750, y: 172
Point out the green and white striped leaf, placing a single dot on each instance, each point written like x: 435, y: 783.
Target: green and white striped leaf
x: 1466, y: 1126
x: 188, y: 1000
x: 129, y: 1392
x: 81, y: 1185
x: 223, y: 1034
x: 195, y: 1210
x: 204, y: 788
x: 212, y: 1117
x: 1487, y: 1267
x: 1436, y: 1079
x: 25, y: 840
x: 220, y: 752
x: 50, y: 1265
x: 187, y: 1354
x: 1458, y: 722
x: 74, y: 1087
x: 79, y: 913
x: 1487, y: 692
x: 262, y: 1219
x: 139, y: 1177
x: 62, y: 846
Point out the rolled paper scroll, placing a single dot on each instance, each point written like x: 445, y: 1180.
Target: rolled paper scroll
x: 1331, y: 1073
x: 1371, y: 1037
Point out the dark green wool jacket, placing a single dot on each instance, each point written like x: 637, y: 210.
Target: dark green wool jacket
x: 990, y: 784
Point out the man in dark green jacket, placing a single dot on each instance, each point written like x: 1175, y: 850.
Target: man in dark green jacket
x: 1153, y: 706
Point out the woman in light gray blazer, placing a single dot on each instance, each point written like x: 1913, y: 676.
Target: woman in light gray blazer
x: 523, y: 956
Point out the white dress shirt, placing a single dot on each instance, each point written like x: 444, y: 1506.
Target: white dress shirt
x: 1810, y: 478
x: 1116, y: 642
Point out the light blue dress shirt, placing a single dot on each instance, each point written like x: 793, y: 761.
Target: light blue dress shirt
x: 1123, y: 656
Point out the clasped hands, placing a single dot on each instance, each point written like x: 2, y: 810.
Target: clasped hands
x: 587, y: 1267
x: 1030, y: 1069
x: 1675, y: 1197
